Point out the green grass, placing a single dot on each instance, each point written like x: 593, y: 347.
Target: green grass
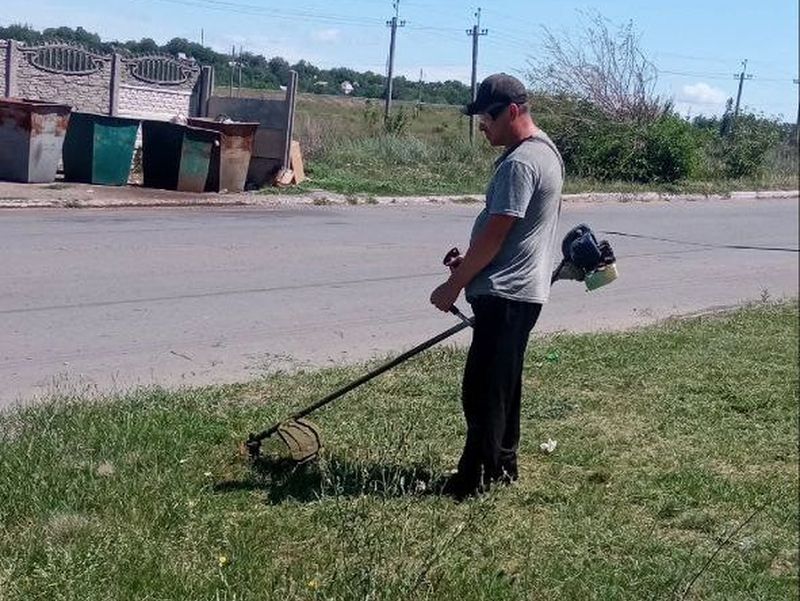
x: 407, y: 165
x: 668, y: 438
x: 346, y: 152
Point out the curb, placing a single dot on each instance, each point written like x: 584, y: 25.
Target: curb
x: 323, y: 198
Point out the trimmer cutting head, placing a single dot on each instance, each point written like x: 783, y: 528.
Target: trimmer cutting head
x: 302, y: 439
x: 300, y: 436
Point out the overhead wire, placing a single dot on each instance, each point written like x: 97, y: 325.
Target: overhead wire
x: 510, y: 38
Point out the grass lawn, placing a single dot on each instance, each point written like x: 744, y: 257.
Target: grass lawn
x: 669, y: 438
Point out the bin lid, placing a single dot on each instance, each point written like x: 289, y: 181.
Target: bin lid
x: 36, y: 105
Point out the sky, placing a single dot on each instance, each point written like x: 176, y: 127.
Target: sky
x: 697, y: 45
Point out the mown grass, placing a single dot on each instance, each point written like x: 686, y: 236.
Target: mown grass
x: 668, y: 438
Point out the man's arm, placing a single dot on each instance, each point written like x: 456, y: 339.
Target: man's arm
x: 480, y: 253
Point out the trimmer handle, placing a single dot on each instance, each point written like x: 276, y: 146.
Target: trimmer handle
x: 451, y: 255
x: 457, y: 312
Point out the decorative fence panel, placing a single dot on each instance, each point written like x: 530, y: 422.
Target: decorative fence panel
x: 150, y: 87
x: 64, y: 73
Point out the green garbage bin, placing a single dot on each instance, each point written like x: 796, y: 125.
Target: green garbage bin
x: 98, y: 149
x: 176, y: 157
x: 31, y: 135
x: 231, y: 159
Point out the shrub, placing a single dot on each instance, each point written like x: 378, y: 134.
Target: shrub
x: 671, y: 150
x: 744, y: 151
x: 661, y: 151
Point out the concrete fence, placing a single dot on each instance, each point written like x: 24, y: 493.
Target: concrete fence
x: 145, y: 87
x: 149, y: 87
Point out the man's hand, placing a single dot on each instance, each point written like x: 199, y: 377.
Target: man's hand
x: 481, y: 251
x: 455, y: 263
x: 570, y: 271
x: 445, y: 296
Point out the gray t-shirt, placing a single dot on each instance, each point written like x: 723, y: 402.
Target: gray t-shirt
x: 527, y: 184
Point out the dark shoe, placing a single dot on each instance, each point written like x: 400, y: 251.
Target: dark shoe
x: 459, y: 487
x: 508, y: 475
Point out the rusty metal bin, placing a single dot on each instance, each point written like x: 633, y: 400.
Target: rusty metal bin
x: 231, y: 160
x: 98, y: 149
x: 31, y: 136
x: 176, y: 157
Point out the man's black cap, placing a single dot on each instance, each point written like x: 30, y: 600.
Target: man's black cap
x: 495, y: 92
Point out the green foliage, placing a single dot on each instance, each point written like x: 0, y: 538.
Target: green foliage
x: 670, y: 150
x: 372, y: 116
x: 393, y: 164
x: 752, y: 148
x: 397, y: 122
x: 746, y: 149
x: 598, y: 147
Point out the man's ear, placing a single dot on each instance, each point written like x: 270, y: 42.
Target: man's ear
x: 513, y: 111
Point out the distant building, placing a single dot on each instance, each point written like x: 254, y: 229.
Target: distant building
x: 347, y: 88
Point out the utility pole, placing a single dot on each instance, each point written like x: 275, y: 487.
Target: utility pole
x: 394, y: 24
x: 239, y: 65
x: 741, y: 77
x: 202, y: 37
x: 797, y: 120
x: 231, y: 64
x: 475, y: 32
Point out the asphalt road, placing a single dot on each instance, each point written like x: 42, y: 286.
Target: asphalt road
x: 104, y: 299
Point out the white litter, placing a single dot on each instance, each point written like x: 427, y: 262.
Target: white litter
x: 549, y: 446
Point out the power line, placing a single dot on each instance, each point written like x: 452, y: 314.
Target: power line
x: 277, y: 14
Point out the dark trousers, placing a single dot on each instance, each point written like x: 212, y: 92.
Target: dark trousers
x: 492, y: 387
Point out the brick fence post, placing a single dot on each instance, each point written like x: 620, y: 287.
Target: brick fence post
x: 114, y: 83
x: 206, y: 90
x: 291, y: 95
x: 12, y: 54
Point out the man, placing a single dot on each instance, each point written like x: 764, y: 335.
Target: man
x: 506, y: 275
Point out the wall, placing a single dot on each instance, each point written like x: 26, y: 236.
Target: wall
x: 153, y: 103
x: 146, y: 87
x: 3, y: 59
x: 88, y: 93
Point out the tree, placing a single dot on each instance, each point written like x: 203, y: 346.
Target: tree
x: 604, y: 67
x: 143, y: 46
x: 21, y: 33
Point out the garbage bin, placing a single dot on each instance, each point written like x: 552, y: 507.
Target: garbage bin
x: 176, y: 157
x: 98, y: 149
x: 229, y: 161
x: 31, y: 136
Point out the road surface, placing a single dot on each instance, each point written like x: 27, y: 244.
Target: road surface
x: 105, y: 299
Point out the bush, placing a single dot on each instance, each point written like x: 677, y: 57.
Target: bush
x: 744, y: 152
x: 661, y: 151
x: 757, y: 145
x: 671, y: 150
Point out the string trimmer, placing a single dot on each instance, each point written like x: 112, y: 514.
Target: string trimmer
x: 584, y: 259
